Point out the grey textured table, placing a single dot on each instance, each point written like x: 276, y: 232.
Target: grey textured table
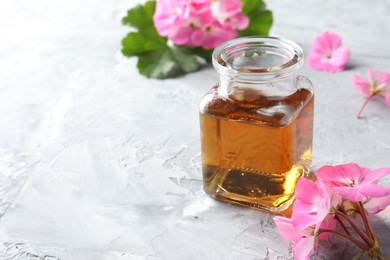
x: 97, y: 162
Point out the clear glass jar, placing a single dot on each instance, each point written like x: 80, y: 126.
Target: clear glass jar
x: 257, y: 123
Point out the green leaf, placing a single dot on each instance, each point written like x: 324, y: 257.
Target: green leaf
x: 205, y: 54
x: 249, y: 5
x: 156, y: 64
x: 136, y: 43
x: 147, y: 38
x: 167, y: 63
x: 260, y: 18
x: 139, y: 16
x: 184, y: 58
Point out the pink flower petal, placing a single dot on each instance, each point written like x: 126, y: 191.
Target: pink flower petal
x: 340, y: 175
x: 326, y: 43
x: 301, y: 221
x: 180, y: 35
x: 230, y: 6
x: 215, y: 35
x: 164, y: 16
x: 303, y: 240
x: 333, y: 199
x: 314, y: 61
x: 199, y: 4
x: 376, y: 205
x: 229, y: 14
x: 361, y: 84
x: 375, y: 76
x: 285, y: 228
x: 312, y: 204
x: 303, y: 188
x: 201, y: 18
x: 238, y: 21
x: 330, y: 41
x: 373, y: 190
x: 305, y: 207
x: 387, y: 98
x: 375, y: 175
x: 303, y: 248
x: 198, y: 37
x: 340, y: 57
x: 322, y: 212
x: 350, y: 193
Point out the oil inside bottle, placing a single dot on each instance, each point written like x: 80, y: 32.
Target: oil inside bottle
x: 255, y: 147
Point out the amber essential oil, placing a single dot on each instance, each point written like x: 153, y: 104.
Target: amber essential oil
x: 254, y: 149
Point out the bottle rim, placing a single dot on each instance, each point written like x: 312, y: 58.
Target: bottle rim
x: 288, y: 54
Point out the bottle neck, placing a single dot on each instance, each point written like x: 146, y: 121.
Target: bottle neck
x: 244, y: 90
x: 257, y: 66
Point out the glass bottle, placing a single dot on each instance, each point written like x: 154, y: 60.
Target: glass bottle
x: 257, y: 123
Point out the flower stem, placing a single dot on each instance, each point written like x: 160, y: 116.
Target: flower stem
x: 342, y: 225
x: 366, y: 239
x: 354, y: 240
x: 367, y: 225
x: 375, y: 254
x: 382, y: 256
x: 364, y: 105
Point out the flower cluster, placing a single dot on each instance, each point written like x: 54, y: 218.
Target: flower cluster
x: 199, y: 23
x: 376, y: 85
x: 171, y: 38
x: 339, y: 195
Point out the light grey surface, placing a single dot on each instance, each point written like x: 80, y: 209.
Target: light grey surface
x: 97, y: 162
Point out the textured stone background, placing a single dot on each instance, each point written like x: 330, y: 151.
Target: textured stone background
x: 97, y: 162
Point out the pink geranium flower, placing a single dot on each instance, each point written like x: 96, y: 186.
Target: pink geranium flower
x: 353, y: 182
x: 376, y: 84
x: 340, y: 193
x: 327, y: 54
x: 203, y: 23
